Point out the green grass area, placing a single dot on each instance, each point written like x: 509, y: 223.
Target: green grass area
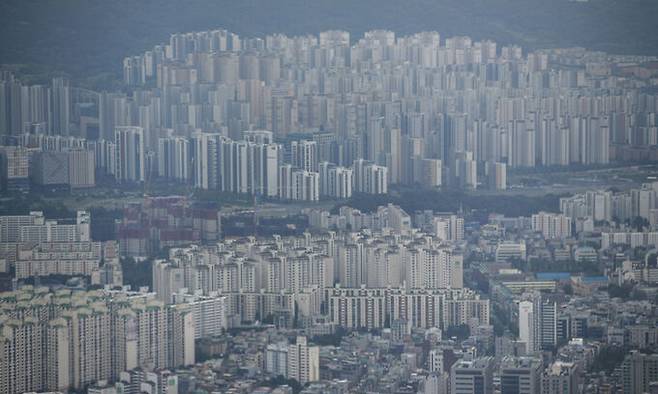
x: 412, y: 200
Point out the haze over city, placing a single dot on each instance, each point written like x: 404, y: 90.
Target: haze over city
x: 285, y: 197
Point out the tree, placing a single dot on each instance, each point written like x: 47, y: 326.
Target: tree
x: 330, y: 339
x: 461, y: 332
x: 609, y: 358
x: 137, y: 273
x: 639, y: 223
x: 623, y: 291
x: 568, y: 289
x: 281, y: 381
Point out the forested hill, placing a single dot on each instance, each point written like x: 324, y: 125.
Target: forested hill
x: 88, y: 37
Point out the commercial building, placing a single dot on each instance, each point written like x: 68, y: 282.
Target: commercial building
x: 520, y: 375
x: 639, y: 370
x: 560, y: 377
x: 472, y: 377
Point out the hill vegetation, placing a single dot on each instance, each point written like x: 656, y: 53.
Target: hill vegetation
x: 87, y: 39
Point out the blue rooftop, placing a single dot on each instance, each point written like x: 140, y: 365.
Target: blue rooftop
x: 553, y: 276
x: 594, y: 279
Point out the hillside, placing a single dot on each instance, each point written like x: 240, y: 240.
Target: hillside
x: 99, y: 33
